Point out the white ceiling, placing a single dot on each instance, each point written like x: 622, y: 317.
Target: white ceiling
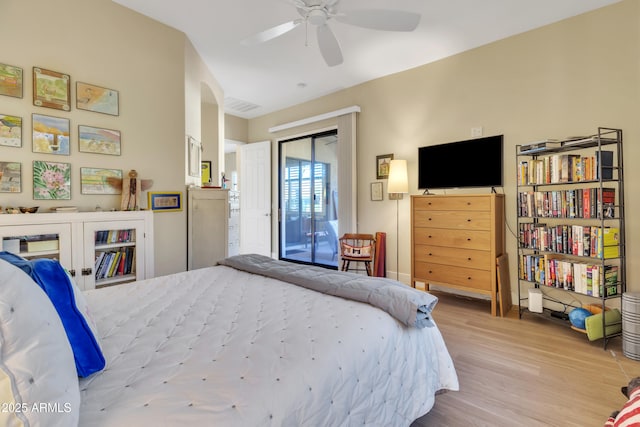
x: 286, y: 71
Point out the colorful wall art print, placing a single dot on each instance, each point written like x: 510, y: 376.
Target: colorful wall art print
x: 10, y: 80
x: 98, y: 140
x: 51, y: 180
x: 51, y: 89
x: 97, y: 99
x: 10, y: 131
x: 10, y: 177
x: 97, y: 181
x: 50, y: 135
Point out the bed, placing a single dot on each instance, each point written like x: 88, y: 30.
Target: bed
x: 225, y: 346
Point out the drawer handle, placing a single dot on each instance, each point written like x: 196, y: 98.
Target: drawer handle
x: 468, y: 278
x: 469, y: 220
x: 469, y: 259
x: 429, y: 236
x: 429, y: 219
x: 430, y: 254
x: 468, y: 239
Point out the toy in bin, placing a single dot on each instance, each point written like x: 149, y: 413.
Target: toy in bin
x: 588, y: 320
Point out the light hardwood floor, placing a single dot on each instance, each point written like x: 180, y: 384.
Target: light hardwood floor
x: 524, y: 372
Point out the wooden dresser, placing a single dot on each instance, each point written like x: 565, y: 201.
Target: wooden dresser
x: 455, y: 241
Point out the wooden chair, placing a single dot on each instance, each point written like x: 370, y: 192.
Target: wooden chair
x: 357, y: 248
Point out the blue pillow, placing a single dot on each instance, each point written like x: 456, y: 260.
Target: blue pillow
x: 55, y: 282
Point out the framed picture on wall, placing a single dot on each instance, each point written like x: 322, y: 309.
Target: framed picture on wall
x: 51, y: 180
x: 97, y: 99
x: 99, y: 140
x: 51, y: 89
x: 98, y: 181
x: 10, y: 131
x: 383, y: 162
x: 50, y: 134
x: 164, y: 201
x: 10, y: 81
x: 10, y: 177
x: 206, y: 172
x: 376, y: 191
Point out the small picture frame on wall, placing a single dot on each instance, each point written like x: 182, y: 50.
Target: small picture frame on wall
x: 11, y: 80
x: 97, y: 99
x: 10, y: 131
x: 10, y: 177
x: 376, y: 191
x: 50, y: 134
x: 99, y: 140
x: 51, y: 180
x: 98, y: 181
x: 164, y: 201
x: 51, y: 89
x: 383, y: 162
x: 206, y: 172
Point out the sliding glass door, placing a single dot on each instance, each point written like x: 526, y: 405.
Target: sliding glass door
x: 308, y: 188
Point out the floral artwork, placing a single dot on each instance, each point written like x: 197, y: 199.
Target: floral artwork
x: 10, y: 131
x: 51, y: 180
x: 50, y: 135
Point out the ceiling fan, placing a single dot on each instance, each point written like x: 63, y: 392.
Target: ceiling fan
x: 320, y: 12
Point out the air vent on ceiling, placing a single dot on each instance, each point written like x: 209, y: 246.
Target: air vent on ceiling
x: 238, y: 105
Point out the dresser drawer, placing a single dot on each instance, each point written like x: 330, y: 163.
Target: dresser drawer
x: 465, y: 239
x: 469, y: 258
x: 467, y: 278
x: 449, y: 203
x: 454, y: 220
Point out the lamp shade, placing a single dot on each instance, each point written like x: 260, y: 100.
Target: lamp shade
x: 398, y: 180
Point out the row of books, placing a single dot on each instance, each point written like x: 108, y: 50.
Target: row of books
x: 115, y: 263
x: 579, y: 240
x: 563, y: 168
x: 104, y: 237
x: 585, y: 278
x: 571, y: 203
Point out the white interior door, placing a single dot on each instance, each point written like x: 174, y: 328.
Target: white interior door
x: 254, y: 183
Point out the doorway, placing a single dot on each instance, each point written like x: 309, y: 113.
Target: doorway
x: 308, y: 187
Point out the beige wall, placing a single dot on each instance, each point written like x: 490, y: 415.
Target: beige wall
x: 557, y: 81
x: 102, y: 43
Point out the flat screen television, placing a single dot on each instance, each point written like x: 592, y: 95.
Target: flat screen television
x: 461, y: 164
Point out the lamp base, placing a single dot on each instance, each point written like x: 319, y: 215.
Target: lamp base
x: 396, y: 196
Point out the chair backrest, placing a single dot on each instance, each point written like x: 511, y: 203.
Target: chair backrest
x: 357, y: 246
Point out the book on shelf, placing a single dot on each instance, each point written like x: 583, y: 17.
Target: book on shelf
x: 604, y: 161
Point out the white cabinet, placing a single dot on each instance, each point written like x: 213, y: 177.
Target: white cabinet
x: 98, y: 248
x: 213, y: 226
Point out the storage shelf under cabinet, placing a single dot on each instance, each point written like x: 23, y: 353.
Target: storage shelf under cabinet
x: 78, y: 248
x: 570, y: 213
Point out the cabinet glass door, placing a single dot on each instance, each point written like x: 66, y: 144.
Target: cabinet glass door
x: 39, y: 241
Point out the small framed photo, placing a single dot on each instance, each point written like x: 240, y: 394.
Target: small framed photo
x: 99, y: 140
x: 376, y: 191
x: 164, y: 201
x: 10, y: 131
x: 51, y: 180
x: 97, y: 99
x: 98, y: 181
x: 51, y: 89
x: 10, y: 177
x: 383, y: 163
x: 50, y: 134
x: 11, y: 81
x: 195, y: 150
x: 206, y: 172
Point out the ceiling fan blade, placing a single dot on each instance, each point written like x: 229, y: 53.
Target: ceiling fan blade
x: 381, y: 19
x: 271, y: 33
x: 329, y: 47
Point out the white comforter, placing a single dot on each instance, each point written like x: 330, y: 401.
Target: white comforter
x: 221, y: 347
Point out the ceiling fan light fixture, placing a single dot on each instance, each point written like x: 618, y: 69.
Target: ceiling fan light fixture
x: 317, y: 16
